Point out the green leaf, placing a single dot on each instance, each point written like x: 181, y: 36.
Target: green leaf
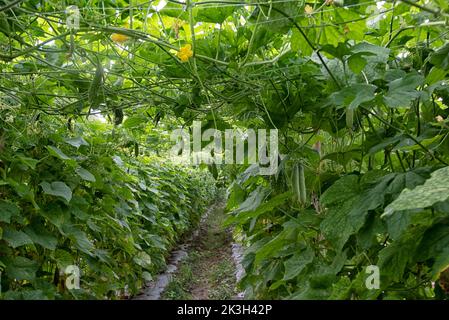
x: 275, y: 246
x: 337, y: 225
x: 343, y: 157
x: 435, y: 75
x: 38, y: 234
x: 440, y: 58
x: 368, y: 49
x: 77, y: 142
x: 299, y: 44
x: 338, y: 51
x: 135, y: 121
x: 353, y: 95
x: 213, y: 15
x: 252, y: 202
x: 297, y: 263
x: 34, y: 295
x: 175, y: 10
x: 435, y: 246
x: 21, y: 268
x: 57, y: 153
x: 63, y: 258
x: 24, y: 191
x: 143, y: 260
x: 394, y: 258
x: 343, y: 220
x: 402, y: 91
x: 16, y: 238
x: 268, y: 206
x: 86, y: 175
x: 57, y: 188
x: 147, y: 276
x: 80, y: 238
x: 7, y: 210
x: 435, y: 189
x: 342, y: 190
x: 29, y: 162
x: 341, y: 290
x: 385, y: 143
x: 356, y: 62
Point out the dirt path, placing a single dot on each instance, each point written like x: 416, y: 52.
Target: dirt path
x: 209, y: 270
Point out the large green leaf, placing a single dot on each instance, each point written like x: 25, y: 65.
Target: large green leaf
x: 175, y: 10
x: 143, y: 260
x: 21, y: 268
x: 268, y: 206
x: 356, y: 62
x: 80, y: 238
x: 28, y: 162
x: 346, y: 218
x: 213, y: 15
x: 7, y: 210
x: 57, y: 188
x: 77, y: 142
x: 57, y: 153
x: 16, y: 238
x: 354, y: 95
x: 403, y: 90
x: 440, y: 58
x: 63, y: 258
x: 39, y: 235
x: 85, y: 175
x: 277, y: 246
x: 252, y: 202
x: 135, y: 121
x: 342, y: 190
x: 434, y: 190
x: 299, y: 44
x: 435, y: 246
x: 297, y: 263
x: 380, y: 54
x: 394, y: 258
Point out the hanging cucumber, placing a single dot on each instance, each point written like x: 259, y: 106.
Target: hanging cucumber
x: 295, y: 182
x: 349, y: 118
x: 302, y: 185
x: 94, y: 94
x: 299, y: 183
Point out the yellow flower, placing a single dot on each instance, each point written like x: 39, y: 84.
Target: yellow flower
x: 308, y: 10
x: 119, y: 38
x: 439, y: 118
x: 185, y: 53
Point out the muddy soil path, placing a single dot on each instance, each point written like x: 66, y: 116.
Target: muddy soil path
x: 206, y: 266
x: 209, y: 271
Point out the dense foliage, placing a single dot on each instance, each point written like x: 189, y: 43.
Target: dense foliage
x: 357, y: 89
x: 75, y: 199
